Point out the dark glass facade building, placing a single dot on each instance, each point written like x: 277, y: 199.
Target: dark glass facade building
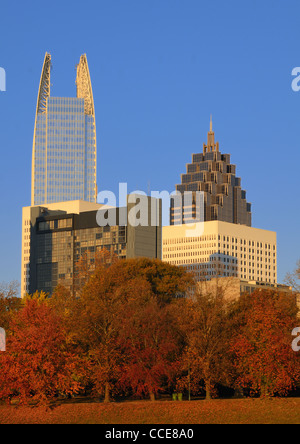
x: 210, y: 179
x: 60, y: 237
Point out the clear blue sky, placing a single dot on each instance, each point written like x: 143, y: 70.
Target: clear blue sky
x: 159, y: 68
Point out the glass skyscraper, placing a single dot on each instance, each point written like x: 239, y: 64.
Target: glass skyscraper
x: 64, y: 145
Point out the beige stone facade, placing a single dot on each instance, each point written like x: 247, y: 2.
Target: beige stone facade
x: 232, y: 288
x: 213, y: 249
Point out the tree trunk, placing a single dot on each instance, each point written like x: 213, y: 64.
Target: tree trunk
x: 107, y: 393
x: 238, y: 393
x: 207, y: 389
x: 152, y: 396
x: 264, y: 389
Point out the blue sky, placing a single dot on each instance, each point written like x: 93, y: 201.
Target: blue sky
x: 159, y: 68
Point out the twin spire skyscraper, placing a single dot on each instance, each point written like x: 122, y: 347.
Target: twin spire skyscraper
x: 64, y: 158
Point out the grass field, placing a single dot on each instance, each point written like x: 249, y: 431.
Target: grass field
x: 233, y: 411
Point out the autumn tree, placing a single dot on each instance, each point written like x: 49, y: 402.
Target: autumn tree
x: 37, y: 365
x: 264, y: 360
x: 62, y: 301
x: 67, y: 306
x: 151, y: 345
x: 89, y: 263
x: 9, y: 290
x: 9, y: 302
x: 205, y: 327
x: 103, y: 310
x: 293, y: 279
x: 167, y: 281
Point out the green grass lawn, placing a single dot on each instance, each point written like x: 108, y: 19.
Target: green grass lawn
x: 233, y: 411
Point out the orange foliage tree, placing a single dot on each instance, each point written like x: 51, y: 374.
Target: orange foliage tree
x: 102, y: 310
x: 37, y: 365
x: 151, y: 345
x: 264, y: 360
x: 88, y: 264
x: 166, y: 281
x: 106, y: 302
x: 205, y: 327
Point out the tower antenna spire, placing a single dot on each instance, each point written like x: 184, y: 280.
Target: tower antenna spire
x: 211, y: 124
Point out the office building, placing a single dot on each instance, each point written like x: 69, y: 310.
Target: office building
x: 233, y: 288
x: 223, y: 198
x: 212, y: 236
x: 216, y: 248
x: 55, y: 237
x: 64, y: 143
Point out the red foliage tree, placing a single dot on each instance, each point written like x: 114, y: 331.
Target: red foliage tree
x: 264, y: 359
x: 151, y: 346
x: 37, y: 365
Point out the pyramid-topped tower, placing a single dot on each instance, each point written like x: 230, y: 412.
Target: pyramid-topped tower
x: 212, y: 173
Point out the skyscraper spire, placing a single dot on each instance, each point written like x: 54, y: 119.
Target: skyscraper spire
x: 211, y: 145
x: 64, y: 159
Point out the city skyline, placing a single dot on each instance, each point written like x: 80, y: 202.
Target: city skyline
x: 153, y: 107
